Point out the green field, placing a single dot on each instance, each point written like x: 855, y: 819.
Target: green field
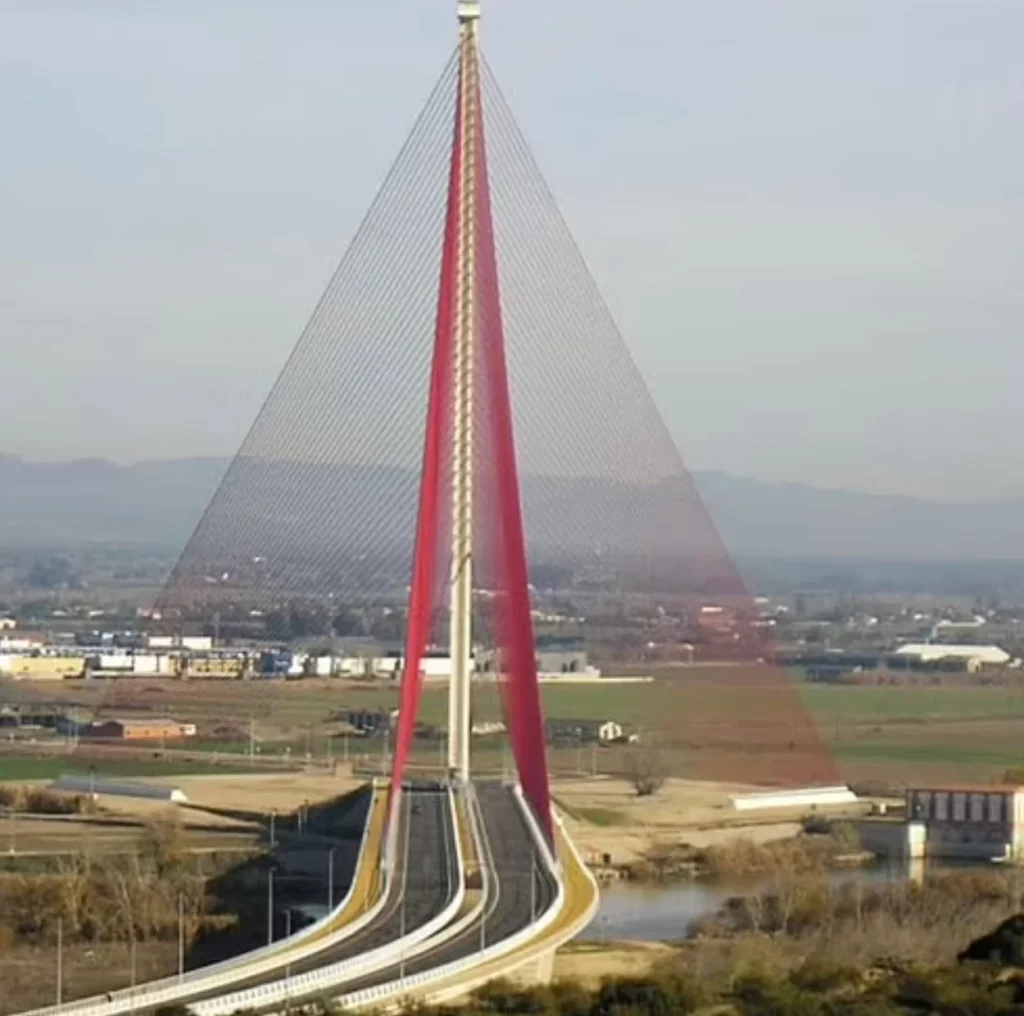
x: 884, y: 732
x: 889, y: 731
x: 16, y: 768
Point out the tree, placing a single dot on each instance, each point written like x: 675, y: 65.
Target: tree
x: 646, y: 771
x: 347, y: 623
x: 163, y: 842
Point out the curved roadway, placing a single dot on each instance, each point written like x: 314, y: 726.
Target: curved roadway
x: 521, y: 888
x: 426, y: 884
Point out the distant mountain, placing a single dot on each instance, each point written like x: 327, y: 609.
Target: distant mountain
x: 157, y: 503
x: 796, y: 520
x: 92, y: 500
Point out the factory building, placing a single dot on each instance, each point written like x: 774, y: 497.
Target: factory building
x: 139, y: 730
x: 985, y: 823
x: 41, y: 668
x: 973, y: 658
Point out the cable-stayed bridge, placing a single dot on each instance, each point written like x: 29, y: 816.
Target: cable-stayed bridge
x: 459, y: 411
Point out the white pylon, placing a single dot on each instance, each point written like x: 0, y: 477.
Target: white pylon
x: 462, y: 424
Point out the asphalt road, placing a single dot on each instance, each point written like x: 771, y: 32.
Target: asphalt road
x: 524, y: 888
x: 429, y: 881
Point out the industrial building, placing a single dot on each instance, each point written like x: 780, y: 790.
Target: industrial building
x: 985, y: 823
x: 40, y: 668
x: 972, y: 658
x: 138, y: 730
x: 554, y: 657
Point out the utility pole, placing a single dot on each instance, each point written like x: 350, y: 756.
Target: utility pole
x: 13, y: 848
x: 273, y: 832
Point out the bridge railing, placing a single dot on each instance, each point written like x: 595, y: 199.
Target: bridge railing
x: 373, y: 996
x: 266, y: 958
x: 327, y: 978
x: 562, y: 928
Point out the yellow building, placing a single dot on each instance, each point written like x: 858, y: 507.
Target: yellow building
x: 43, y: 668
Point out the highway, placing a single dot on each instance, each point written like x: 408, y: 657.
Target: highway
x: 521, y: 888
x: 428, y: 878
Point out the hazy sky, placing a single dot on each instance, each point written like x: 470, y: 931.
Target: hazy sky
x: 807, y: 215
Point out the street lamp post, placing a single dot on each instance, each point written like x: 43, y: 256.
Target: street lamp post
x: 270, y: 907
x: 533, y: 887
x: 60, y: 961
x: 181, y: 936
x: 330, y: 879
x: 405, y: 874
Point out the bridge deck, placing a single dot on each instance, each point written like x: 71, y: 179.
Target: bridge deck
x: 513, y: 860
x: 424, y: 886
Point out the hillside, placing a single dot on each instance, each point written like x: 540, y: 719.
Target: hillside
x: 158, y: 502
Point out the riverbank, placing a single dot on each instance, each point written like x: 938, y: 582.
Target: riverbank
x: 690, y: 828
x: 588, y: 963
x: 858, y: 917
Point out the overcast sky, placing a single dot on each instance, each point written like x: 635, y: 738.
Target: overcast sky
x: 807, y: 215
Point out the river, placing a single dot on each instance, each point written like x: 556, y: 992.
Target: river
x: 667, y: 911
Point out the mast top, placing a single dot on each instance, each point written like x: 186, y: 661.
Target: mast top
x: 469, y: 11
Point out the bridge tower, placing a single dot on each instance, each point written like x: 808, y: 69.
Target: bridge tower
x: 461, y: 613
x: 469, y: 496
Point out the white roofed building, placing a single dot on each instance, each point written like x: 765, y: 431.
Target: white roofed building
x: 974, y: 657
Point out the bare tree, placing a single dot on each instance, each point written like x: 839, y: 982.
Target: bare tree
x: 646, y: 771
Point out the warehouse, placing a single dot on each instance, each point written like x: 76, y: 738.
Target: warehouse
x: 985, y: 823
x: 971, y: 658
x: 139, y: 730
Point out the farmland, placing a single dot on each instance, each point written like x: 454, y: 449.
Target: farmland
x: 884, y: 732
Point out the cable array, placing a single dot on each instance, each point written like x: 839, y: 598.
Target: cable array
x: 321, y: 501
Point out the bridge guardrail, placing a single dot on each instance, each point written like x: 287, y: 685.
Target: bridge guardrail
x: 174, y: 988
x: 531, y: 950
x: 395, y: 989
x: 336, y: 974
